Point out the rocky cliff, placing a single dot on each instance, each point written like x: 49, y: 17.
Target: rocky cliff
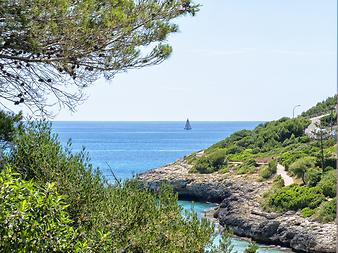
x: 240, y: 197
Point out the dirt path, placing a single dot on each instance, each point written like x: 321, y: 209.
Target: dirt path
x: 281, y: 171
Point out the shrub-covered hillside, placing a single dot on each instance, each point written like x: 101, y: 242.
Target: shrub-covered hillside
x: 321, y: 108
x: 283, y: 141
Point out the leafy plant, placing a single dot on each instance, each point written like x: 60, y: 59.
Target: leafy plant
x: 312, y: 176
x: 34, y: 219
x: 269, y: 170
x: 295, y: 197
x: 125, y: 217
x: 301, y: 166
x: 307, y: 212
x: 251, y: 248
x: 328, y: 183
x: 326, y: 212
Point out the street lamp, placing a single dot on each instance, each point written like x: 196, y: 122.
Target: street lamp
x: 293, y: 110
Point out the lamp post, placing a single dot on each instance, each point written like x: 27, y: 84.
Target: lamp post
x: 293, y: 110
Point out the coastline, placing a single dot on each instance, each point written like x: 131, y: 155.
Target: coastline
x: 239, y: 198
x: 210, y: 215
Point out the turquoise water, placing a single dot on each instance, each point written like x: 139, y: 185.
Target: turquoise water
x: 134, y: 147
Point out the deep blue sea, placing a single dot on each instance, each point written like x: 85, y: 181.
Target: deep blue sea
x: 133, y: 147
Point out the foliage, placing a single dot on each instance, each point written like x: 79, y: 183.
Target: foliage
x: 37, y: 154
x: 312, y: 176
x: 266, y: 140
x: 295, y: 197
x: 269, y: 170
x: 285, y: 141
x: 55, y: 48
x: 266, y: 135
x: 251, y: 248
x: 211, y: 163
x: 264, y: 172
x: 326, y: 212
x: 321, y: 107
x: 301, y: 166
x: 225, y: 245
x: 278, y: 182
x: 247, y: 167
x: 329, y: 120
x: 328, y: 183
x: 9, y: 123
x: 307, y: 212
x: 124, y: 217
x: 34, y: 219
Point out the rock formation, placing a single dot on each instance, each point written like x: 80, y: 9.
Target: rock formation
x: 240, y: 198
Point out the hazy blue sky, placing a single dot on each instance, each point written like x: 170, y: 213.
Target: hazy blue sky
x: 236, y: 60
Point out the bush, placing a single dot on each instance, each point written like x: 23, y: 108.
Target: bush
x: 245, y: 169
x: 269, y: 170
x: 307, y: 212
x: 328, y: 183
x: 114, y: 218
x: 328, y: 168
x: 278, y: 182
x: 212, y: 162
x: 312, y: 176
x: 9, y: 124
x: 37, y: 154
x: 251, y: 248
x: 295, y: 197
x: 300, y: 166
x: 34, y: 219
x: 326, y: 212
x: 264, y: 172
x: 202, y: 166
x: 217, y: 159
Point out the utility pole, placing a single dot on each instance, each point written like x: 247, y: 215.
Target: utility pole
x: 322, y: 149
x: 293, y: 110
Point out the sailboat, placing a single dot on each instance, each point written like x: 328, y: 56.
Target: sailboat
x: 187, y: 125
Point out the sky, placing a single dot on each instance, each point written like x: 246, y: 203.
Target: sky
x: 235, y: 60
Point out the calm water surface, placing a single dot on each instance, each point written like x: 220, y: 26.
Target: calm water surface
x: 134, y: 147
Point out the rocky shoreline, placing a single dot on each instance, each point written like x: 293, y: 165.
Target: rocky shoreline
x: 239, y: 197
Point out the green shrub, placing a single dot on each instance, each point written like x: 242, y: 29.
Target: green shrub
x: 114, y: 218
x: 321, y: 107
x: 278, y: 182
x: 269, y: 170
x: 300, y: 166
x: 217, y: 159
x: 328, y: 183
x: 264, y: 172
x: 202, y: 166
x: 295, y: 197
x: 312, y: 176
x: 34, y: 219
x: 9, y: 123
x: 326, y: 212
x: 251, y: 248
x: 329, y: 119
x: 307, y: 212
x: 273, y: 166
x: 251, y: 163
x: 245, y: 169
x: 212, y: 162
x: 328, y: 168
x: 37, y: 154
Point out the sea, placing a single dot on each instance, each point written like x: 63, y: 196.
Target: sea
x: 130, y: 148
